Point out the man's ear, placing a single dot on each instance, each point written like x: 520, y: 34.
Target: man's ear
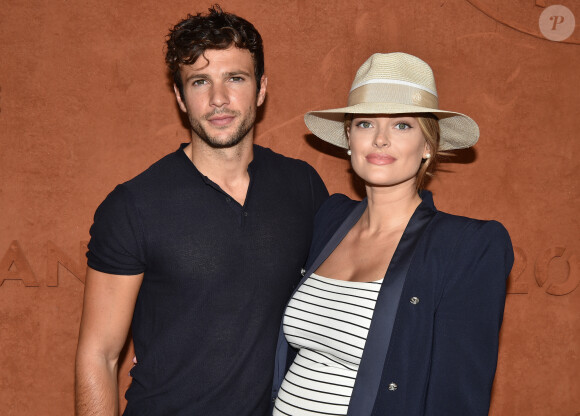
x: 180, y: 100
x: 262, y: 92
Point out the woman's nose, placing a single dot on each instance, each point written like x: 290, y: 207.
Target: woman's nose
x: 381, y: 139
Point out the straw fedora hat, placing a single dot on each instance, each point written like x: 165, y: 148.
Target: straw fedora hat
x: 394, y: 83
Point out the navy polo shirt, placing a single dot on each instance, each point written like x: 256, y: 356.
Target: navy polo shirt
x: 217, y: 276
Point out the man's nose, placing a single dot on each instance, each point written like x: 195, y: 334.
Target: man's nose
x: 219, y: 95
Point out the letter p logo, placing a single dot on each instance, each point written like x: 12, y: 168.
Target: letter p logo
x: 557, y: 23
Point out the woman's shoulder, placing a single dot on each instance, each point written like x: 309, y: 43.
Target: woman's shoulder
x: 472, y: 248
x: 469, y: 230
x: 336, y: 207
x: 331, y: 215
x: 340, y: 200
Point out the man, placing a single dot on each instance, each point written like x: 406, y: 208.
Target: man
x: 200, y: 252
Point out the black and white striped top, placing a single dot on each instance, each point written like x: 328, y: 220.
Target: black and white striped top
x: 328, y: 321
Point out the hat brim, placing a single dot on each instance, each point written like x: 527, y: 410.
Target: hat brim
x: 457, y: 131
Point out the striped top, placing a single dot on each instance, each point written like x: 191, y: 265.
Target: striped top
x: 328, y: 321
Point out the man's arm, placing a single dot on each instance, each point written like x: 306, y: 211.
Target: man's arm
x: 109, y: 302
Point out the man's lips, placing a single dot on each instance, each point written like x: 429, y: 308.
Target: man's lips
x: 380, y: 159
x: 221, y: 119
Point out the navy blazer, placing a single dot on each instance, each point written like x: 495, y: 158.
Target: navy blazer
x: 433, y: 341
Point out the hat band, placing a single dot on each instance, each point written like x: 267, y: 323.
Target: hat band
x: 392, y: 93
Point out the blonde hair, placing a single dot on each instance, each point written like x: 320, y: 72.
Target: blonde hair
x: 429, y: 125
x: 430, y: 129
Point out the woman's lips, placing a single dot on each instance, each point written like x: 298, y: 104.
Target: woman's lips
x: 380, y: 159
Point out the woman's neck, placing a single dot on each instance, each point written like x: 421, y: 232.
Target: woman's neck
x: 390, y: 207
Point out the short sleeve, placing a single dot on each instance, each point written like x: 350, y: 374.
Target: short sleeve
x: 319, y: 191
x: 116, y: 245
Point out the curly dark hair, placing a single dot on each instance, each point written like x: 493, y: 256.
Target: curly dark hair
x: 189, y: 39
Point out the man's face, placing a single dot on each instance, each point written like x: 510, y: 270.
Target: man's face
x: 220, y: 96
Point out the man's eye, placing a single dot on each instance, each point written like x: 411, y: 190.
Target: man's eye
x: 237, y: 79
x: 198, y: 82
x: 364, y: 124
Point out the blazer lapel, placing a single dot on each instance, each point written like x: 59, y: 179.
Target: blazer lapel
x: 336, y: 238
x: 376, y: 347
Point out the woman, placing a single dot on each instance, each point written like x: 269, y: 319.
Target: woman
x: 400, y: 306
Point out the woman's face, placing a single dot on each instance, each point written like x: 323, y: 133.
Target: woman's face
x: 386, y: 149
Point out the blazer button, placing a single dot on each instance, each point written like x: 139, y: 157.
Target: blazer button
x: 303, y: 272
x: 393, y: 386
x: 414, y: 300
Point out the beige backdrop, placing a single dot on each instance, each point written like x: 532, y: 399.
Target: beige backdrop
x: 85, y: 103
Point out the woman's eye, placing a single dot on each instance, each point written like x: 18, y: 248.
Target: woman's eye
x: 402, y: 126
x: 364, y: 124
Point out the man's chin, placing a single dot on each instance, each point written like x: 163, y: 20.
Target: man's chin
x: 222, y: 139
x: 222, y: 143
x: 217, y: 145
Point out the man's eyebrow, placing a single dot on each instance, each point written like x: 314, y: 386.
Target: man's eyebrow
x: 234, y: 73
x: 196, y: 76
x: 225, y: 75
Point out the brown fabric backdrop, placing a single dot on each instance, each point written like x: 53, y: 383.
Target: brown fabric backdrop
x: 85, y: 103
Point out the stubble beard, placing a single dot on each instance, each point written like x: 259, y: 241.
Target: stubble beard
x: 241, y: 132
